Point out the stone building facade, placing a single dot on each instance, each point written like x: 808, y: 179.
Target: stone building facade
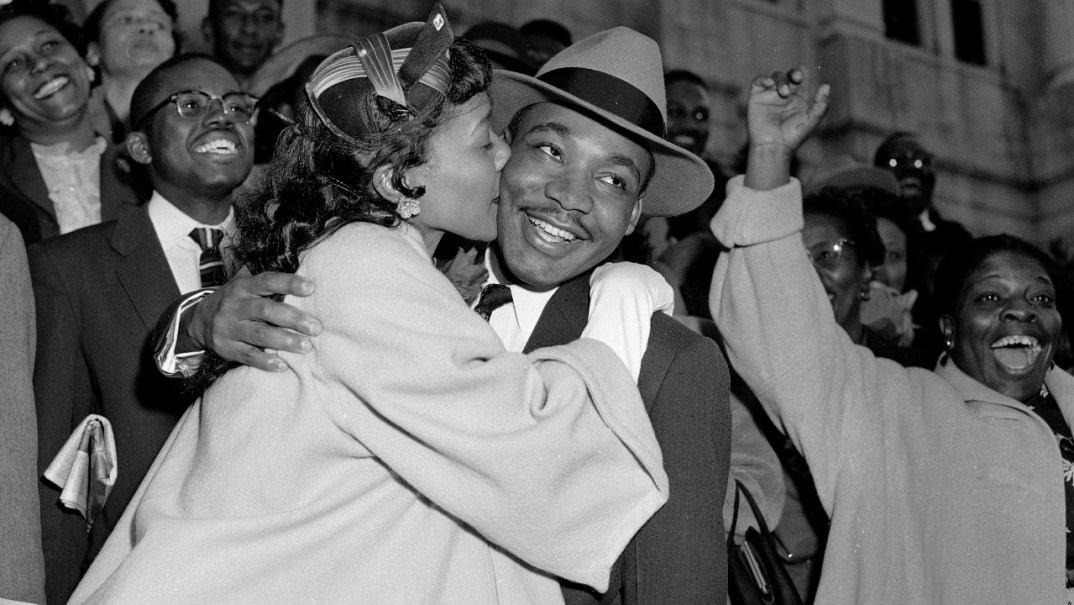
x: 983, y: 83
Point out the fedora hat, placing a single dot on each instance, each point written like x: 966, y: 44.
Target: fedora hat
x: 618, y: 76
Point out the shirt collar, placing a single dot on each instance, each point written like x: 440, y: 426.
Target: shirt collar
x: 528, y: 304
x: 173, y: 225
x: 62, y: 149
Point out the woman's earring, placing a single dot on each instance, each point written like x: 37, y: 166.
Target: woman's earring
x: 863, y: 294
x: 408, y: 207
x: 6, y: 118
x: 950, y: 344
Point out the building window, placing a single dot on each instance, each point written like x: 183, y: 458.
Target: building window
x: 900, y: 21
x: 966, y: 15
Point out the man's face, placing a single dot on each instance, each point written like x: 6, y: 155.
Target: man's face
x: 244, y: 33
x: 207, y: 157
x: 136, y: 36
x: 568, y: 195
x: 912, y: 166
x: 688, y: 116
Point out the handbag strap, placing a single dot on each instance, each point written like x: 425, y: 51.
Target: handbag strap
x: 741, y: 489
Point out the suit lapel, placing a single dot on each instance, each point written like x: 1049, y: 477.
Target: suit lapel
x: 564, y: 317
x: 144, y: 272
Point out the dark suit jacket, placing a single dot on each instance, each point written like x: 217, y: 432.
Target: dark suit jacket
x: 678, y: 556
x: 99, y: 292
x: 24, y: 197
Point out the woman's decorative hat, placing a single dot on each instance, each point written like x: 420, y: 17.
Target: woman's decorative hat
x: 407, y: 65
x: 617, y: 75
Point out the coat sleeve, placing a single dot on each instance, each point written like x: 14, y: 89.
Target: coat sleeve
x: 549, y: 455
x: 22, y: 574
x: 781, y: 335
x: 64, y: 395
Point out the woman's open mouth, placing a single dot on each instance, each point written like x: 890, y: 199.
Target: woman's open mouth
x: 1017, y: 352
x: 51, y: 87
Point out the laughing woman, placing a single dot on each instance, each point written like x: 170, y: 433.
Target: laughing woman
x: 408, y: 458
x: 57, y: 173
x: 950, y: 486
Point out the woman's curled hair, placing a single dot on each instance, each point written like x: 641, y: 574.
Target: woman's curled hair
x: 318, y: 182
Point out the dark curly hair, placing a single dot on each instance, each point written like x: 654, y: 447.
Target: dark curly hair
x: 56, y: 15
x: 957, y: 267
x: 847, y: 206
x: 318, y: 182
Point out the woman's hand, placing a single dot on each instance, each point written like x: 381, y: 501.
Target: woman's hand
x: 779, y: 118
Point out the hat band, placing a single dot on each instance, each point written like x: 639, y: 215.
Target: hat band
x: 611, y: 94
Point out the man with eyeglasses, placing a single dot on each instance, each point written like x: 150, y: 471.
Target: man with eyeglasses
x: 101, y: 289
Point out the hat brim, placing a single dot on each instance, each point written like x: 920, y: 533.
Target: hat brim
x: 682, y: 180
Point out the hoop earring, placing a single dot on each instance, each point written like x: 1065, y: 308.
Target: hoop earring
x: 408, y: 207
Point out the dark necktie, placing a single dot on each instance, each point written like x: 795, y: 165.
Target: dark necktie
x: 493, y: 296
x: 211, y: 264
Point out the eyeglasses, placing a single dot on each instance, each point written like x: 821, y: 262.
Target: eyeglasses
x: 828, y: 255
x: 195, y: 104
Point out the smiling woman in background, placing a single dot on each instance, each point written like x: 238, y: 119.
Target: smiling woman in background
x: 946, y: 486
x: 58, y: 173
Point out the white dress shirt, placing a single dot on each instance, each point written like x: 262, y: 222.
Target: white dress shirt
x: 514, y: 321
x: 173, y: 227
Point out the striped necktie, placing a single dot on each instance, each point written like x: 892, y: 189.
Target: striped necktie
x: 493, y: 296
x: 211, y: 264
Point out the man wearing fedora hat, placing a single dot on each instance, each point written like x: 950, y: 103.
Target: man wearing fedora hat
x: 588, y: 154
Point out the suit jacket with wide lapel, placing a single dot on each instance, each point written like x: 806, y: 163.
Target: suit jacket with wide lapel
x: 678, y: 556
x: 99, y: 293
x: 24, y: 196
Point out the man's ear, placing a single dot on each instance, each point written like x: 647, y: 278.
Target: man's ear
x: 93, y: 54
x: 138, y: 147
x: 207, y: 30
x: 635, y: 214
x: 382, y: 183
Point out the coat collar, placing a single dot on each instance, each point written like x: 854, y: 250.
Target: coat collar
x: 18, y: 159
x: 1059, y: 383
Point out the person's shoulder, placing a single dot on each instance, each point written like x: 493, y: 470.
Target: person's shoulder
x: 76, y: 253
x: 668, y: 336
x: 365, y: 251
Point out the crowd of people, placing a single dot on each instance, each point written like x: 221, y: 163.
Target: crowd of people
x: 483, y: 325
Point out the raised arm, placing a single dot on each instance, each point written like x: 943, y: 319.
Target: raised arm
x: 768, y: 302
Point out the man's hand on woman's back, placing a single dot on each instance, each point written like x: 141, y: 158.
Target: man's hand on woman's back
x: 240, y: 320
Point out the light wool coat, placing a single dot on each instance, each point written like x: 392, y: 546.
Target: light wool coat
x: 385, y: 464
x: 940, y: 489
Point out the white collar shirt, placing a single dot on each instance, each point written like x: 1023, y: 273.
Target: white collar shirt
x: 173, y: 227
x: 514, y: 322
